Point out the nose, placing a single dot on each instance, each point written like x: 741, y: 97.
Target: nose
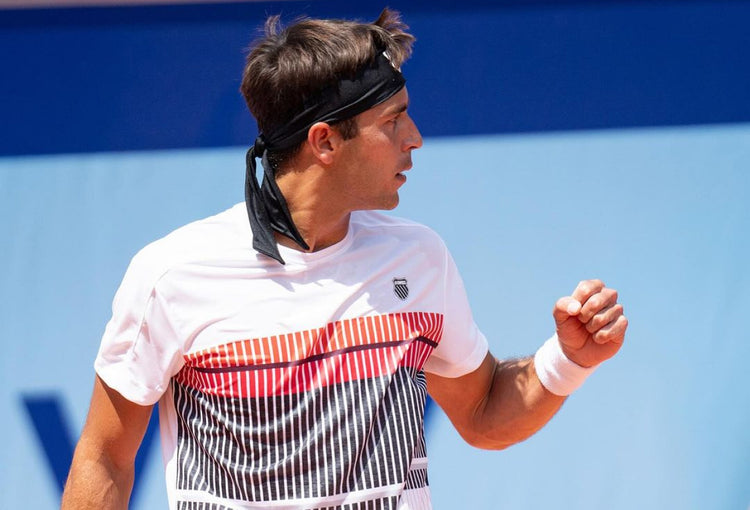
x: 413, y: 139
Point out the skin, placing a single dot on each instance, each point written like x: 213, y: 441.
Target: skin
x: 331, y: 177
x: 493, y: 407
x: 101, y: 475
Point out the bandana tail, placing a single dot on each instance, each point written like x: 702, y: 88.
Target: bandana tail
x: 263, y: 238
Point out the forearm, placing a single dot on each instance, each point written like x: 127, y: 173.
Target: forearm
x: 515, y: 407
x: 95, y: 482
x: 501, y: 403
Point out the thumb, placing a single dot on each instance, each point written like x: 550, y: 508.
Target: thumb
x: 565, y: 308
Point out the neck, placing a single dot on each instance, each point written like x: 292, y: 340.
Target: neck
x: 320, y: 221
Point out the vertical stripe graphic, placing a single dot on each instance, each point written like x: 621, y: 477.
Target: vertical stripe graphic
x: 331, y: 417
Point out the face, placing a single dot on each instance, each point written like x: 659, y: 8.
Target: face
x: 375, y: 161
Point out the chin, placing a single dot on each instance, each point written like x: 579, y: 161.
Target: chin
x: 393, y: 203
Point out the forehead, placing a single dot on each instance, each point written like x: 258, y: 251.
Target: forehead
x: 395, y: 104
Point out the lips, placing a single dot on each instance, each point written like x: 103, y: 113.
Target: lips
x: 400, y: 175
x: 407, y: 167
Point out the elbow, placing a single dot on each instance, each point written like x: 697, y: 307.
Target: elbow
x: 487, y: 441
x: 495, y: 438
x: 491, y: 445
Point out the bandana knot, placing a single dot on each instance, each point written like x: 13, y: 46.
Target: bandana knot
x: 259, y: 146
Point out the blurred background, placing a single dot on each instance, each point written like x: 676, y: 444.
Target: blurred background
x: 563, y: 140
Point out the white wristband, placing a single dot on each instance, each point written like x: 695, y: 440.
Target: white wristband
x: 556, y: 372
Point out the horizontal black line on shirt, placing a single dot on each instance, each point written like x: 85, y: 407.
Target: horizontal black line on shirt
x: 317, y: 357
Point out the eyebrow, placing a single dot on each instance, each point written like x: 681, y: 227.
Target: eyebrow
x: 397, y: 108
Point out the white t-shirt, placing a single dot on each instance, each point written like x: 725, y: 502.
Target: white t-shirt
x: 291, y: 386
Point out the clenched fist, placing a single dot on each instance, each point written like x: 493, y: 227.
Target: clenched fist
x: 590, y: 323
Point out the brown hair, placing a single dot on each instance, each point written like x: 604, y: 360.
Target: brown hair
x: 290, y: 65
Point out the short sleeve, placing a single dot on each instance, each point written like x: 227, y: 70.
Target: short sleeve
x: 462, y: 347
x: 140, y: 349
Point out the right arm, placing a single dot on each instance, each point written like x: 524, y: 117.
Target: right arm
x: 101, y: 475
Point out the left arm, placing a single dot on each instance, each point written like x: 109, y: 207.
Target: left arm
x: 497, y: 405
x: 504, y: 402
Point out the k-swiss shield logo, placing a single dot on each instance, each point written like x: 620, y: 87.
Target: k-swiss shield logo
x: 400, y: 288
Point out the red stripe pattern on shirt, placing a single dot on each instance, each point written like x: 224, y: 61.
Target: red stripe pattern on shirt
x: 297, y: 362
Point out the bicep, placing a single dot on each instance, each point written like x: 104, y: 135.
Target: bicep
x: 463, y: 398
x: 115, y: 426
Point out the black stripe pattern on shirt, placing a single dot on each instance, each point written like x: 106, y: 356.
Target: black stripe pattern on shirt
x: 343, y: 438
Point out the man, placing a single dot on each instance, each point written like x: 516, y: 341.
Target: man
x: 291, y: 354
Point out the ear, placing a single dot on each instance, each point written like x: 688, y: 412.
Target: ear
x: 323, y: 141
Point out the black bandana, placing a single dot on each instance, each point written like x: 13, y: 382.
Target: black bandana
x: 266, y: 207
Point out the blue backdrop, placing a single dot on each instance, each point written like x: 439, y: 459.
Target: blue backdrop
x: 564, y: 140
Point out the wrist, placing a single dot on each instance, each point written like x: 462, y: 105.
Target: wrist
x: 556, y: 371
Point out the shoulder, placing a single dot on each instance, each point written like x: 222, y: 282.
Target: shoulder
x: 367, y: 222
x: 372, y: 228
x: 212, y: 238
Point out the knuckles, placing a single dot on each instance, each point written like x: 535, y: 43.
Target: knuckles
x: 588, y: 286
x: 605, y: 317
x: 596, y: 303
